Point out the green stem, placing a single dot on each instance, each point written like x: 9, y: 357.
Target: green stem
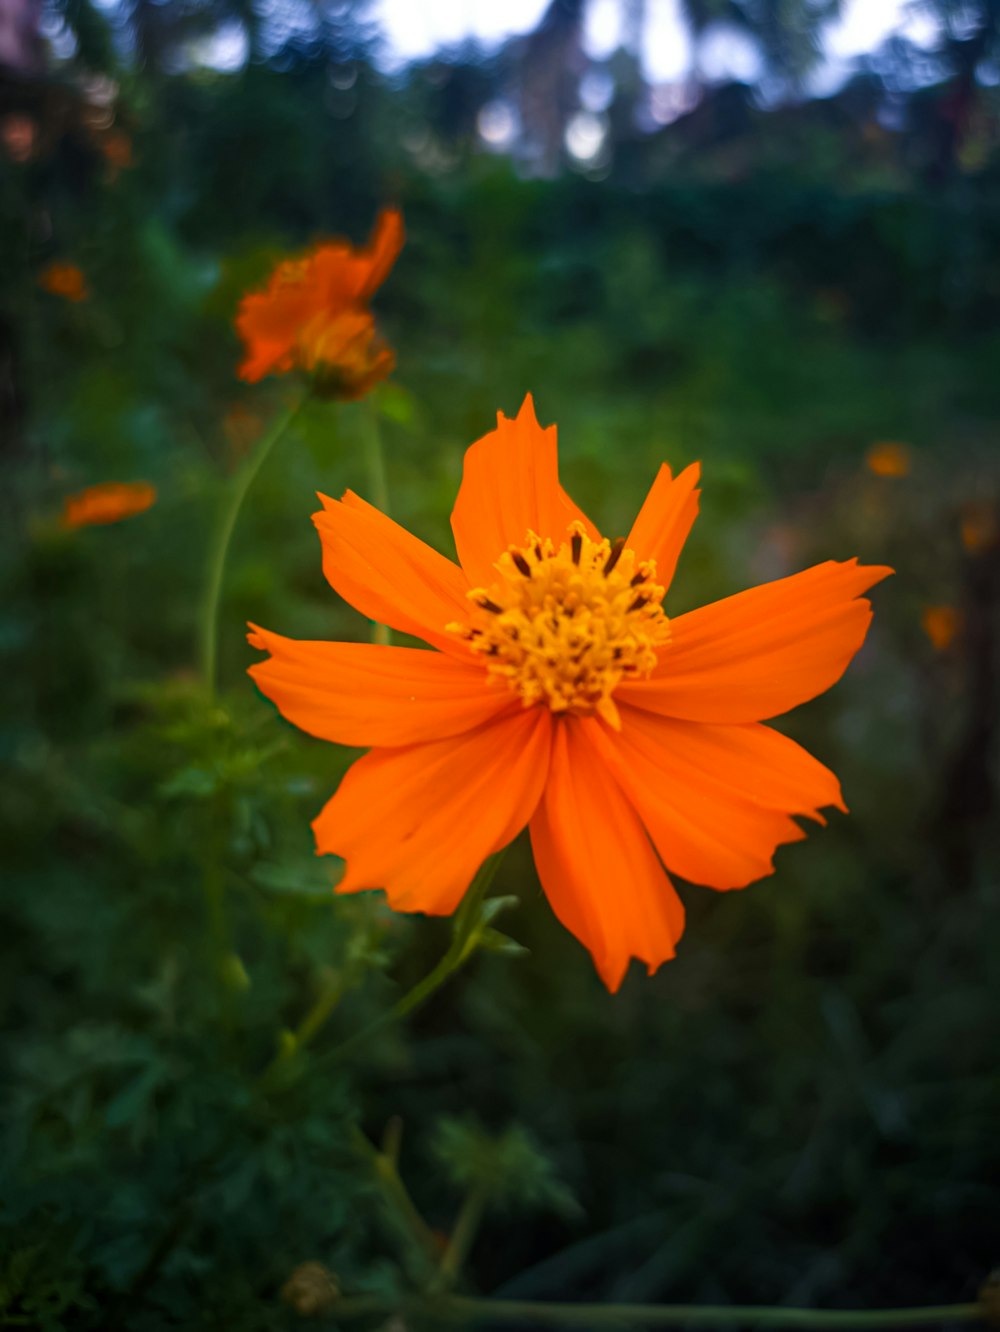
x: 328, y: 999
x: 377, y: 481
x: 397, y: 1199
x: 374, y: 457
x: 241, y: 483
x: 489, y: 1313
x: 463, y: 945
x: 293, y: 1042
x: 463, y: 1234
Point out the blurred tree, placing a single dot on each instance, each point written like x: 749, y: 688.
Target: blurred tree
x: 551, y: 62
x: 969, y: 43
x: 21, y: 45
x: 786, y: 32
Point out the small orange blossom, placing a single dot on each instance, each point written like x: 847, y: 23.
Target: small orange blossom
x: 314, y: 314
x: 942, y: 625
x: 888, y: 459
x: 19, y: 136
x: 562, y: 697
x: 64, y: 280
x: 117, y: 149
x: 979, y: 526
x: 109, y: 502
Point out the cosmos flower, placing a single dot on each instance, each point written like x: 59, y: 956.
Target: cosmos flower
x: 888, y: 459
x: 942, y: 625
x: 979, y: 526
x: 64, y: 280
x: 314, y: 316
x: 560, y: 695
x: 109, y: 502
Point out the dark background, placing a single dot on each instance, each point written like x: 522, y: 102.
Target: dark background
x: 803, y: 1107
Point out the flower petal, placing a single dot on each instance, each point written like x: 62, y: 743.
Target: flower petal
x: 268, y: 322
x: 108, y: 502
x: 761, y: 652
x: 390, y: 575
x: 716, y: 800
x: 665, y: 519
x: 510, y: 486
x: 382, y: 250
x: 362, y: 694
x: 419, y: 821
x: 596, y: 864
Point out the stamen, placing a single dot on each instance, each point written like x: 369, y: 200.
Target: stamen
x: 563, y: 624
x: 616, y: 553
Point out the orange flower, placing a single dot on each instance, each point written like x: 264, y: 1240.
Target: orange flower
x: 942, y: 625
x: 888, y: 459
x: 64, y: 280
x: 314, y: 314
x: 107, y: 503
x: 117, y: 149
x: 19, y: 136
x: 560, y: 696
x: 979, y: 527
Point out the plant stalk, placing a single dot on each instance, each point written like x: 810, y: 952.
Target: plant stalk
x: 463, y: 1234
x: 462, y: 946
x: 239, y: 486
x: 397, y: 1199
x: 378, y: 483
x: 484, y: 1313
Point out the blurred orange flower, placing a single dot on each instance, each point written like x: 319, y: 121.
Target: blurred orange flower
x: 942, y: 625
x: 107, y: 503
x: 314, y: 314
x: 19, y: 136
x: 242, y: 427
x: 888, y: 459
x: 65, y: 280
x: 979, y: 526
x: 560, y: 696
x: 117, y: 149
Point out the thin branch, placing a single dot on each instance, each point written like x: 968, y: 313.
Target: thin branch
x: 483, y: 1313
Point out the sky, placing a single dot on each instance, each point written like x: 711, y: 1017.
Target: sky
x: 416, y: 30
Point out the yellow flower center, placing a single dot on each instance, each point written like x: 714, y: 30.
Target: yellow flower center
x: 565, y: 626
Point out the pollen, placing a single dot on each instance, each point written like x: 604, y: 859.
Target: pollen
x: 563, y: 626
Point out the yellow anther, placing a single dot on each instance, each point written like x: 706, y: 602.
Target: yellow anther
x: 565, y: 626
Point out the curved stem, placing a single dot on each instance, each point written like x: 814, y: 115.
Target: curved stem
x: 241, y: 483
x: 377, y: 480
x: 489, y: 1313
x: 399, y: 1204
x: 293, y: 1042
x: 463, y: 1234
x: 374, y: 457
x: 463, y: 945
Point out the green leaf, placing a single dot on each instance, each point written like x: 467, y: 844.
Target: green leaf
x: 510, y: 1167
x: 192, y: 783
x: 494, y: 941
x: 310, y: 879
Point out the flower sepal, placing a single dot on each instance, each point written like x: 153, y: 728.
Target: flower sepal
x: 495, y: 941
x: 481, y: 933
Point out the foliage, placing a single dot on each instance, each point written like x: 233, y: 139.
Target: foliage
x: 802, y: 1106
